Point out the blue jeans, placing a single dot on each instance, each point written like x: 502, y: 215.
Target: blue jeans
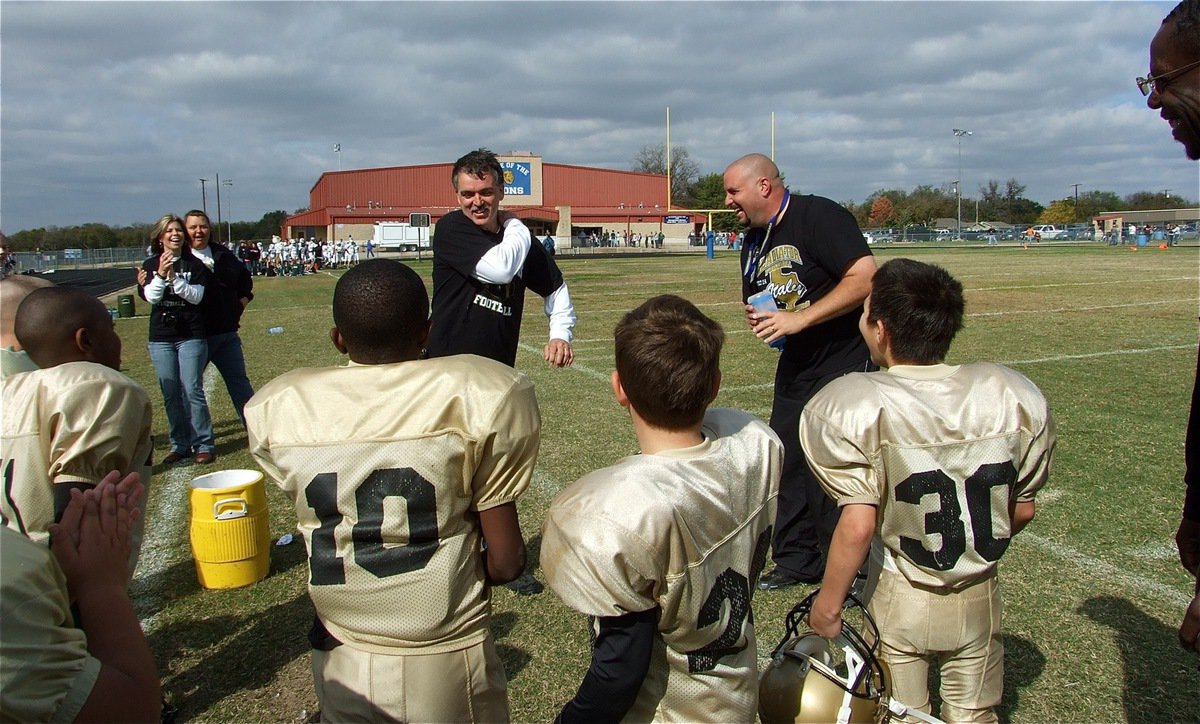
x: 180, y: 370
x: 225, y: 352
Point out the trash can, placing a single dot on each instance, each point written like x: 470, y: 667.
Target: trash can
x: 231, y: 541
x: 125, y: 305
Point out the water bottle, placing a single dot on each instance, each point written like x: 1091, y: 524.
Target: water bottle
x: 764, y: 301
x: 275, y: 330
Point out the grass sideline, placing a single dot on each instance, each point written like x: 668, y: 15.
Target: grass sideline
x: 1092, y: 589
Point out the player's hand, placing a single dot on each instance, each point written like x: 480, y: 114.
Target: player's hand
x: 826, y: 615
x: 1189, y: 630
x: 1187, y: 538
x: 770, y: 326
x: 559, y: 353
x: 142, y: 277
x: 92, y: 541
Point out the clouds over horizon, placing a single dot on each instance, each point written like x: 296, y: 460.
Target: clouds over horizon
x: 112, y: 111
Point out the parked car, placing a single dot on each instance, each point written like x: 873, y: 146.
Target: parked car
x: 1048, y: 232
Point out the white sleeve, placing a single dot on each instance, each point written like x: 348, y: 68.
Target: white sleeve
x: 155, y: 288
x: 190, y: 293
x: 504, y: 261
x: 561, y: 313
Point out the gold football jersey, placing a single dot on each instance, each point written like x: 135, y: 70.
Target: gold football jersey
x: 388, y: 466
x: 941, y: 451
x: 72, y: 423
x: 47, y: 673
x: 687, y: 531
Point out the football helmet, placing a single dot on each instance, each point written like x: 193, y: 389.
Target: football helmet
x: 815, y: 680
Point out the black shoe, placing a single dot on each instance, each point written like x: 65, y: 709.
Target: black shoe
x: 174, y: 457
x: 526, y: 585
x: 778, y: 578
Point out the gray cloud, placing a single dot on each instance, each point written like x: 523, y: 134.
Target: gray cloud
x: 112, y: 111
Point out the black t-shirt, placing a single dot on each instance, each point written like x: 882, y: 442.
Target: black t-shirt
x: 173, y: 319
x: 471, y: 316
x: 228, y: 283
x: 803, y: 259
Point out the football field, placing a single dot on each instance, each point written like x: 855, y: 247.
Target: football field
x: 1093, y: 591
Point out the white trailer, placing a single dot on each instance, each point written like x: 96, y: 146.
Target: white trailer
x: 400, y: 235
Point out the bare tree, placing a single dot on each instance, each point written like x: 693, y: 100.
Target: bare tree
x: 684, y: 171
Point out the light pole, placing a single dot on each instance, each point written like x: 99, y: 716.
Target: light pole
x: 203, y: 196
x: 218, y: 208
x: 958, y: 134
x: 229, y: 221
x: 337, y: 148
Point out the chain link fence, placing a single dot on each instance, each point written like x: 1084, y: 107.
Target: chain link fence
x: 43, y: 261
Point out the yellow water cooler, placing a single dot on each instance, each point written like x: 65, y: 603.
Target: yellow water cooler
x: 231, y: 539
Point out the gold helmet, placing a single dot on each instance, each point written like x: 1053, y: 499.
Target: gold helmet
x: 815, y: 680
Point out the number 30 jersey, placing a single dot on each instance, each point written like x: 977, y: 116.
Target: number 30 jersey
x: 942, y: 451
x: 388, y: 466
x: 687, y: 531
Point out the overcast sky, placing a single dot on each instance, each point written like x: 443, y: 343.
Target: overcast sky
x: 113, y: 111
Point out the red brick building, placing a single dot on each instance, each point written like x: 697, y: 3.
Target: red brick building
x: 558, y: 199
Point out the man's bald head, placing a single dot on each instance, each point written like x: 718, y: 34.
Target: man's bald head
x: 754, y: 189
x: 758, y: 166
x: 56, y: 325
x: 13, y: 290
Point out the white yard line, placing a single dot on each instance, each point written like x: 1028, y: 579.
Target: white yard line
x: 1096, y: 568
x: 1092, y: 355
x: 1078, y: 309
x: 578, y: 367
x: 1105, y: 283
x: 165, y: 541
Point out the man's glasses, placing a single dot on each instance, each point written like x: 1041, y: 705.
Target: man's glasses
x: 1154, y: 82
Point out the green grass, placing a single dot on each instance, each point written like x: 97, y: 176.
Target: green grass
x: 1092, y: 590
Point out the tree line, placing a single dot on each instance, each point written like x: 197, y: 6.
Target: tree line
x: 103, y: 236
x: 1002, y: 201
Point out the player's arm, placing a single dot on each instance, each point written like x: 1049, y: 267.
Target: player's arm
x: 847, y: 551
x: 92, y: 545
x: 504, y: 261
x: 95, y: 427
x: 504, y: 558
x: 620, y: 660
x: 1021, y: 512
x: 850, y: 292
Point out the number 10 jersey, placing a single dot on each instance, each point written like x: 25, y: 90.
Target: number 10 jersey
x: 388, y: 466
x: 942, y: 451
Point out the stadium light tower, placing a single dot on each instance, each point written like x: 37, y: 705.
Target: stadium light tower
x: 958, y: 134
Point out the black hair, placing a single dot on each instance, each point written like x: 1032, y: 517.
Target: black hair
x: 381, y: 309
x: 920, y: 305
x: 478, y: 163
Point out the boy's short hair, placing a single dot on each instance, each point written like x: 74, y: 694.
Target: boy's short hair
x: 381, y: 308
x: 921, y: 306
x: 478, y: 163
x: 669, y: 358
x: 49, y: 317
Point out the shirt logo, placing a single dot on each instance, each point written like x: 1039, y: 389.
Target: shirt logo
x: 493, y: 305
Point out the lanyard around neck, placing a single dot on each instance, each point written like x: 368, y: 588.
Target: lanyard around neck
x: 758, y: 249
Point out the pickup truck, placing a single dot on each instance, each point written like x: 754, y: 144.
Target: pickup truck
x: 1049, y: 232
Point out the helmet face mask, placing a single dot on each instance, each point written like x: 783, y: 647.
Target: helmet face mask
x: 812, y: 679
